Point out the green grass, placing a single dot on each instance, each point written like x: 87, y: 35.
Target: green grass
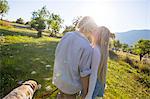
x: 22, y: 54
x: 122, y: 82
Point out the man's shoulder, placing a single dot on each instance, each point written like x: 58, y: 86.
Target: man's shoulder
x: 69, y: 33
x: 76, y: 37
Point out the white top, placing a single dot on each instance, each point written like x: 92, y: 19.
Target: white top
x: 94, y: 68
x: 73, y: 58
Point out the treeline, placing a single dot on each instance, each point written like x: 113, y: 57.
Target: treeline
x: 42, y: 20
x: 141, y: 47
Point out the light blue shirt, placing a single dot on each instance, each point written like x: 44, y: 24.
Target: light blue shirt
x: 73, y: 59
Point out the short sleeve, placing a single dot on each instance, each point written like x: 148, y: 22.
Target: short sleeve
x: 85, y: 62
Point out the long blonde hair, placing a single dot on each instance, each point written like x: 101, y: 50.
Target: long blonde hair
x: 102, y: 41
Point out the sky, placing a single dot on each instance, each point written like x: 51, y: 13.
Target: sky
x: 117, y: 15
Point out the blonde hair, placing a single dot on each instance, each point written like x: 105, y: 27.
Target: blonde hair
x: 86, y: 25
x: 102, y: 41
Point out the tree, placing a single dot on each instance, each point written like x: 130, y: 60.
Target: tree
x: 112, y: 36
x: 3, y: 8
x: 20, y: 21
x: 116, y: 44
x: 75, y: 21
x: 68, y: 29
x: 38, y: 21
x: 27, y: 23
x: 125, y: 47
x: 72, y: 27
x: 142, y: 47
x: 54, y: 23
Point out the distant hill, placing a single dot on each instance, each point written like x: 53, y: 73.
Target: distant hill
x: 131, y: 37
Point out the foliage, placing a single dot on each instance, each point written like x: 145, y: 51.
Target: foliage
x: 142, y: 47
x: 116, y: 44
x: 68, y: 29
x: 125, y: 47
x: 20, y: 21
x: 27, y: 23
x: 112, y: 36
x: 54, y: 23
x: 72, y: 27
x: 3, y: 8
x: 38, y: 21
x: 75, y: 21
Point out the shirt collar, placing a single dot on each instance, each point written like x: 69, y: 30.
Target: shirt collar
x: 82, y: 35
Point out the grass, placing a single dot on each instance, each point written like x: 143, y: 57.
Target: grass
x: 23, y: 57
x: 122, y: 82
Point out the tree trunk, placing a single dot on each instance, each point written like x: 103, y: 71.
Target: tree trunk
x: 39, y: 34
x: 55, y: 33
x: 2, y: 16
x: 141, y: 57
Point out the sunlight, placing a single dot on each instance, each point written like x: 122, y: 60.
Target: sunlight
x: 103, y: 13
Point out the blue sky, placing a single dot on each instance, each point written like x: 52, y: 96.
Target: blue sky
x: 117, y: 15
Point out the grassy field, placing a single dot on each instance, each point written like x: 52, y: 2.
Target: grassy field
x: 23, y: 57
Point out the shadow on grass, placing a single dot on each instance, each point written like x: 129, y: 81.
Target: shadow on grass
x: 113, y: 55
x: 5, y: 32
x: 18, y: 61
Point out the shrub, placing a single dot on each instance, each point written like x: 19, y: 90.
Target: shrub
x: 143, y: 80
x: 27, y: 23
x: 129, y: 61
x: 20, y: 21
x: 145, y: 68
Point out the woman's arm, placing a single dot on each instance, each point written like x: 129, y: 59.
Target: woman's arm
x: 94, y: 68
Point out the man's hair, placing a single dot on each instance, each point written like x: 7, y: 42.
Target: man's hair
x: 86, y: 25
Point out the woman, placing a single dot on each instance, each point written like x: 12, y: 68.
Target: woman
x: 99, y: 63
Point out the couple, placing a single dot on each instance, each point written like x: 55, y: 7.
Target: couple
x: 81, y: 61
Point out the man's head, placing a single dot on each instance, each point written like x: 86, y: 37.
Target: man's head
x: 87, y: 26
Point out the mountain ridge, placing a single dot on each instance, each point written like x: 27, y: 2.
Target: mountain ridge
x: 132, y: 36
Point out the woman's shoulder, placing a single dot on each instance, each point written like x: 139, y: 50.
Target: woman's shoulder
x: 96, y: 50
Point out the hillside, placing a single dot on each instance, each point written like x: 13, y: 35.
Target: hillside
x: 131, y: 37
x: 23, y: 57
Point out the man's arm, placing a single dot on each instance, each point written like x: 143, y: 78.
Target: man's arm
x: 85, y: 84
x: 85, y: 70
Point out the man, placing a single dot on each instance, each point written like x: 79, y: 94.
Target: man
x: 73, y: 60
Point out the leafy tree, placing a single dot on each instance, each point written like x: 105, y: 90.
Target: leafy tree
x: 116, y: 44
x: 68, y: 29
x: 125, y: 47
x: 142, y: 47
x: 75, y: 21
x: 112, y: 36
x: 72, y: 27
x: 38, y: 21
x: 20, y: 21
x: 54, y: 23
x: 3, y: 8
x: 27, y: 23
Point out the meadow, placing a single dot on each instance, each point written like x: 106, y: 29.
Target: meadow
x: 23, y: 57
